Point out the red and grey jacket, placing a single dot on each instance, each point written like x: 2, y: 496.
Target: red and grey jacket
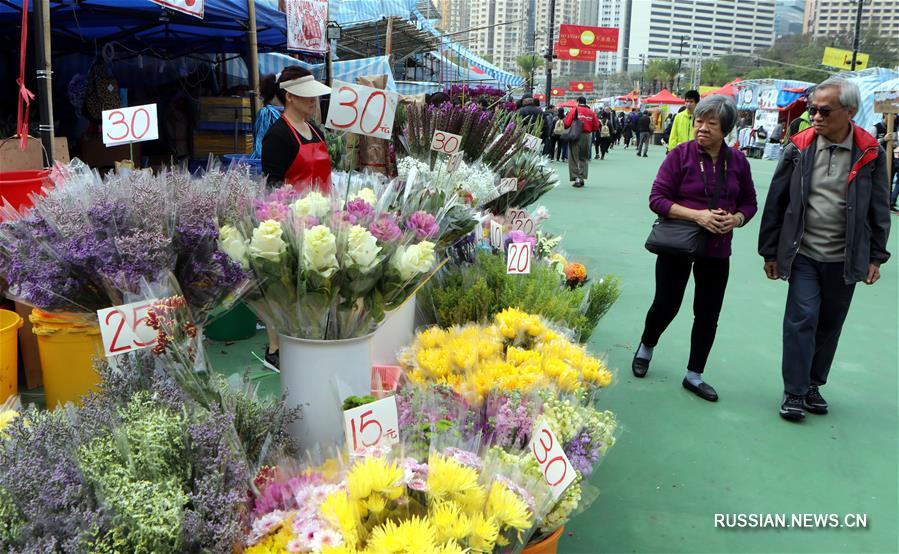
x: 867, y: 205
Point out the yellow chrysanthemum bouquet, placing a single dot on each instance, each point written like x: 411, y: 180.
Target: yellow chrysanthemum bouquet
x: 454, y: 503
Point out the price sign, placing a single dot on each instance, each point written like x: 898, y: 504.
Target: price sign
x: 496, y: 234
x: 124, y: 328
x: 453, y: 163
x: 518, y: 258
x: 554, y: 464
x: 531, y: 142
x: 521, y: 221
x: 374, y: 424
x: 508, y: 184
x: 360, y: 109
x: 446, y: 143
x: 190, y: 7
x: 127, y: 125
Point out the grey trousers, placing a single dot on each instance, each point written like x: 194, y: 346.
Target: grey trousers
x: 579, y: 158
x: 643, y: 145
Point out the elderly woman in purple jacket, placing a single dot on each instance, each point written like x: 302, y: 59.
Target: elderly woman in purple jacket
x: 681, y: 190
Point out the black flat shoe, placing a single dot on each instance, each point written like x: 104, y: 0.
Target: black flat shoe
x: 640, y: 366
x: 704, y: 390
x: 273, y: 358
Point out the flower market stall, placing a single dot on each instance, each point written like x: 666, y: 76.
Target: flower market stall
x: 478, y: 435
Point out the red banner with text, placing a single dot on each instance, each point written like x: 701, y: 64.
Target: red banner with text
x: 580, y: 86
x: 575, y: 54
x: 602, y: 39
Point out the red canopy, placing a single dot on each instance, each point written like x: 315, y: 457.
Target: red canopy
x: 663, y: 97
x: 728, y: 89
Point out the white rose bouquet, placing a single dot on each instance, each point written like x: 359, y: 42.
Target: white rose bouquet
x: 331, y: 266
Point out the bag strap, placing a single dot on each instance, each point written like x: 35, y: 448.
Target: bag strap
x: 721, y: 180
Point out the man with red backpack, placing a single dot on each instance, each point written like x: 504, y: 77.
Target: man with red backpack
x: 580, y: 123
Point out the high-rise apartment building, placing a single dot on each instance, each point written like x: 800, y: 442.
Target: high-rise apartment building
x: 694, y: 29
x: 455, y: 19
x: 789, y: 17
x: 824, y: 18
x: 501, y: 44
x: 567, y: 11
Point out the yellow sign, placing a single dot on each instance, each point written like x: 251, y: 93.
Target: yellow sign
x: 587, y: 38
x: 842, y: 59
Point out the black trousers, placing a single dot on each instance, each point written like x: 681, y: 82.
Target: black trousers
x: 817, y: 304
x: 672, y: 273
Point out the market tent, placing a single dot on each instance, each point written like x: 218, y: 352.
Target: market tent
x: 145, y: 27
x: 728, y: 89
x: 344, y: 70
x: 663, y: 97
x: 349, y: 12
x: 410, y: 88
x: 789, y: 96
x: 869, y: 81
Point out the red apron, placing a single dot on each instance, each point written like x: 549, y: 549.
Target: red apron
x: 312, y: 166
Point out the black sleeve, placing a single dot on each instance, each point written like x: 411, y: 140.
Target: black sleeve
x: 879, y: 210
x: 776, y: 204
x: 279, y: 149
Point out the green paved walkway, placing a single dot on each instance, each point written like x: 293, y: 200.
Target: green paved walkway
x: 681, y: 460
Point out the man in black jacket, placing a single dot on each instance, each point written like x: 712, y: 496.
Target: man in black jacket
x: 824, y: 228
x: 530, y: 113
x: 644, y: 131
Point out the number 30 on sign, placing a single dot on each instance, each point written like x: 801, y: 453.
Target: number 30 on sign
x: 127, y: 125
x: 124, y: 328
x: 551, y: 459
x: 360, y: 109
x: 371, y: 425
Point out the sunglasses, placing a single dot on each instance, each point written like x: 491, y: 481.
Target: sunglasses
x: 825, y: 112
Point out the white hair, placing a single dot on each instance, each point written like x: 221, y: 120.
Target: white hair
x: 850, y: 96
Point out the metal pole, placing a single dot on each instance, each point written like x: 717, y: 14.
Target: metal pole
x: 253, y: 61
x: 858, y: 32
x: 642, y: 71
x: 549, y: 49
x: 44, y: 76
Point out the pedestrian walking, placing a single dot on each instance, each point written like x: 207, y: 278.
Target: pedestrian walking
x: 682, y: 127
x: 628, y: 132
x: 581, y: 123
x: 550, y: 117
x: 561, y: 148
x: 824, y: 229
x: 645, y: 129
x: 705, y: 189
x: 605, y: 135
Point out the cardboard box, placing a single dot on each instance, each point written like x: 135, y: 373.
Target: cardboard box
x: 14, y: 159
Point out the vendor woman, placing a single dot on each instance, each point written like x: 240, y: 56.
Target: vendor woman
x: 294, y: 150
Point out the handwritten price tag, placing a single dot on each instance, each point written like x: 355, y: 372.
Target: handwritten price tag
x: 508, y: 184
x: 453, y: 163
x: 531, y: 142
x: 124, y: 328
x: 496, y: 234
x: 374, y: 424
x: 127, y: 125
x: 446, y: 143
x: 363, y: 110
x: 553, y: 463
x: 521, y: 221
x: 518, y: 258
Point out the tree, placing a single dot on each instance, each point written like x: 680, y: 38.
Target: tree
x: 662, y: 71
x: 527, y: 65
x: 715, y: 73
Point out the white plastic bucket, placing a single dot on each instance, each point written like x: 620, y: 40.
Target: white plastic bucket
x: 316, y: 376
x: 394, y: 334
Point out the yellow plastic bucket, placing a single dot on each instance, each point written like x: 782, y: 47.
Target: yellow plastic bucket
x: 67, y: 344
x: 9, y: 353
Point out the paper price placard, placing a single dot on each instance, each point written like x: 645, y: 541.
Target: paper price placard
x: 446, y: 143
x: 190, y: 7
x: 507, y: 184
x: 124, y: 328
x: 453, y: 163
x: 531, y: 142
x: 518, y: 258
x: 363, y: 110
x: 127, y: 125
x: 496, y: 234
x: 551, y: 459
x: 371, y: 425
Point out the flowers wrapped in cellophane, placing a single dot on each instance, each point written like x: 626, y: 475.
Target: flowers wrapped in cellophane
x: 329, y: 267
x: 450, y: 501
x: 89, y: 242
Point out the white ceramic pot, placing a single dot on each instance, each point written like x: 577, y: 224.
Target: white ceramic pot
x: 317, y: 375
x: 395, y: 333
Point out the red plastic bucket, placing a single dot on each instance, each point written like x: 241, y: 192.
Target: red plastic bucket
x: 15, y: 186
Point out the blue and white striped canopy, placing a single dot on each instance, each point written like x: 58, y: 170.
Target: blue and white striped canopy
x: 347, y: 70
x: 347, y: 12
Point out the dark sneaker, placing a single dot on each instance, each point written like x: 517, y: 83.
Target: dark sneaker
x: 791, y: 408
x: 578, y: 183
x: 813, y: 402
x: 273, y: 358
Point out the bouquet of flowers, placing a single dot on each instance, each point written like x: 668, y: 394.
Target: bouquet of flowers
x: 535, y: 178
x: 89, y: 242
x: 330, y: 267
x: 453, y: 502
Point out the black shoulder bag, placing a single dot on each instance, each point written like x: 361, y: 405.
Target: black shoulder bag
x: 679, y: 236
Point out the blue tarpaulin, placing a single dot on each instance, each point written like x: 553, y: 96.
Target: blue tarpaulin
x: 140, y: 24
x: 347, y: 70
x: 869, y: 81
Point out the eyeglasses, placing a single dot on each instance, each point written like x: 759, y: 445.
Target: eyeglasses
x: 825, y: 112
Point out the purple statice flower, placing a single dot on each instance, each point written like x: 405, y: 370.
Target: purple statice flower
x: 385, y: 229
x: 285, y: 195
x: 582, y: 452
x: 360, y: 209
x: 423, y: 224
x: 510, y: 419
x: 519, y: 236
x: 271, y: 210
